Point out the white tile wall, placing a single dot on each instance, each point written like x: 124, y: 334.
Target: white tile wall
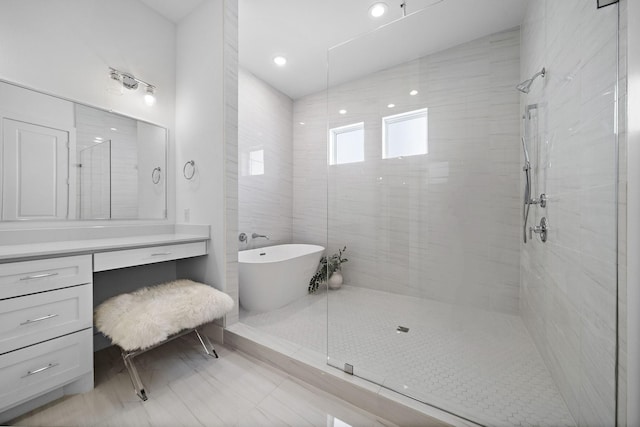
x: 230, y: 54
x: 443, y: 225
x: 264, y: 123
x: 568, y: 294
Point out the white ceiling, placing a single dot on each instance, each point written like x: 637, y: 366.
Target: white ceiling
x: 304, y: 30
x: 173, y: 10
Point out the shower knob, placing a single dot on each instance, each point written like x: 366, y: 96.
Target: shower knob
x: 540, y: 229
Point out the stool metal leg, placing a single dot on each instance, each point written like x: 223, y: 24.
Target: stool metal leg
x: 133, y: 374
x: 206, y: 344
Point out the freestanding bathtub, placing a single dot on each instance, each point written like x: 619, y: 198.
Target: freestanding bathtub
x: 274, y: 276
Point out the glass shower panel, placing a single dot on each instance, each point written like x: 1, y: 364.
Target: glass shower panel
x: 442, y: 300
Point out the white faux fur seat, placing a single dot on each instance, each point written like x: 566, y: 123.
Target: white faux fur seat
x: 150, y: 316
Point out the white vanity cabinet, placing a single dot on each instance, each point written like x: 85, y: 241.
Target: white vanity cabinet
x: 46, y: 304
x: 46, y: 317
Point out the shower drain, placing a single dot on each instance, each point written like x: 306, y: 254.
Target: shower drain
x: 402, y: 329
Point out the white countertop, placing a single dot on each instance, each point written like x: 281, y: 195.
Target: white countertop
x: 75, y: 247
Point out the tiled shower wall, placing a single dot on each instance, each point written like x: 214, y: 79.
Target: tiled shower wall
x: 568, y: 298
x: 264, y: 124
x: 445, y: 225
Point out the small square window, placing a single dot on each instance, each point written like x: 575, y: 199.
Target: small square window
x: 346, y: 144
x: 405, y: 134
x: 256, y: 162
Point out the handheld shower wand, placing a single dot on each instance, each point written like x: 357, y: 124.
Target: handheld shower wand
x: 527, y: 189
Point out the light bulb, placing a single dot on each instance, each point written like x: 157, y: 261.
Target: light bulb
x: 150, y: 96
x: 280, y: 61
x: 378, y: 9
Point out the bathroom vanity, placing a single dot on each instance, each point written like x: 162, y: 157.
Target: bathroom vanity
x: 46, y: 303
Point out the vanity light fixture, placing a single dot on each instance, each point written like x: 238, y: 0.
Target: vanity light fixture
x: 378, y: 9
x: 280, y: 61
x: 130, y: 82
x: 150, y: 96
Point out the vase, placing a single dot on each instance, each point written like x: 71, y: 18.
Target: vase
x: 335, y: 281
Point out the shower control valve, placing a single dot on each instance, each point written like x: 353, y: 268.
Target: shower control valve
x: 541, y: 229
x: 242, y: 237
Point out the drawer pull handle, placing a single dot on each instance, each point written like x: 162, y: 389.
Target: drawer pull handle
x: 161, y: 254
x: 39, y: 319
x: 44, y: 368
x: 38, y: 276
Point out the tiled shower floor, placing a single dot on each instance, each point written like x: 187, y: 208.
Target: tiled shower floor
x: 477, y: 364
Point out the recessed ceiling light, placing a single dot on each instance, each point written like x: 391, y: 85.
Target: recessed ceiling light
x: 413, y: 92
x: 280, y: 60
x: 378, y: 9
x: 391, y: 105
x: 301, y: 123
x: 97, y: 138
x: 342, y: 111
x: 114, y: 129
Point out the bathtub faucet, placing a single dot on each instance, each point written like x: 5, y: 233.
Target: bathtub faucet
x: 256, y: 235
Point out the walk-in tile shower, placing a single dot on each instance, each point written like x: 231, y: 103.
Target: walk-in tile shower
x: 475, y: 189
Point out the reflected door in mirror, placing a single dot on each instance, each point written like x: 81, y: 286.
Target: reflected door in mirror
x: 35, y: 171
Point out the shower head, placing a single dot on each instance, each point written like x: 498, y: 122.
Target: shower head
x: 525, y: 86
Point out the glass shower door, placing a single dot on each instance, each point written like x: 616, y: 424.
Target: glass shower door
x: 442, y: 300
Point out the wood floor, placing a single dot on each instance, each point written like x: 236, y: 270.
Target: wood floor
x: 188, y: 388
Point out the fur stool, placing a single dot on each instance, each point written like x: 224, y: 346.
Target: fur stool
x: 144, y: 319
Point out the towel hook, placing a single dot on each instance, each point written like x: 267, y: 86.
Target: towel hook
x: 156, y: 175
x: 193, y: 169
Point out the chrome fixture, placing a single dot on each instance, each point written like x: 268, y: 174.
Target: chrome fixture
x: 156, y: 175
x: 541, y: 229
x: 528, y: 201
x: 243, y: 237
x: 603, y: 3
x: 525, y: 86
x: 527, y: 189
x: 256, y: 235
x: 131, y: 82
x: 189, y: 169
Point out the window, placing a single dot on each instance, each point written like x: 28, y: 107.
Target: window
x: 405, y: 134
x: 256, y: 162
x: 346, y: 144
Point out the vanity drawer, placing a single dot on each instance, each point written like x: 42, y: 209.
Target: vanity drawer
x: 29, y: 277
x: 34, y: 318
x: 34, y: 370
x: 128, y: 258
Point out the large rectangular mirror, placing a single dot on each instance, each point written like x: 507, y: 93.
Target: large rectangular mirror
x: 61, y: 160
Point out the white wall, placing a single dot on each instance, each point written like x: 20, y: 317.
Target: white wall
x: 265, y: 202
x: 65, y: 48
x: 568, y: 298
x: 444, y: 225
x: 199, y: 135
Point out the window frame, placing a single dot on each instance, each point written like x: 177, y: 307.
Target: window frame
x: 401, y: 117
x: 333, y: 136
